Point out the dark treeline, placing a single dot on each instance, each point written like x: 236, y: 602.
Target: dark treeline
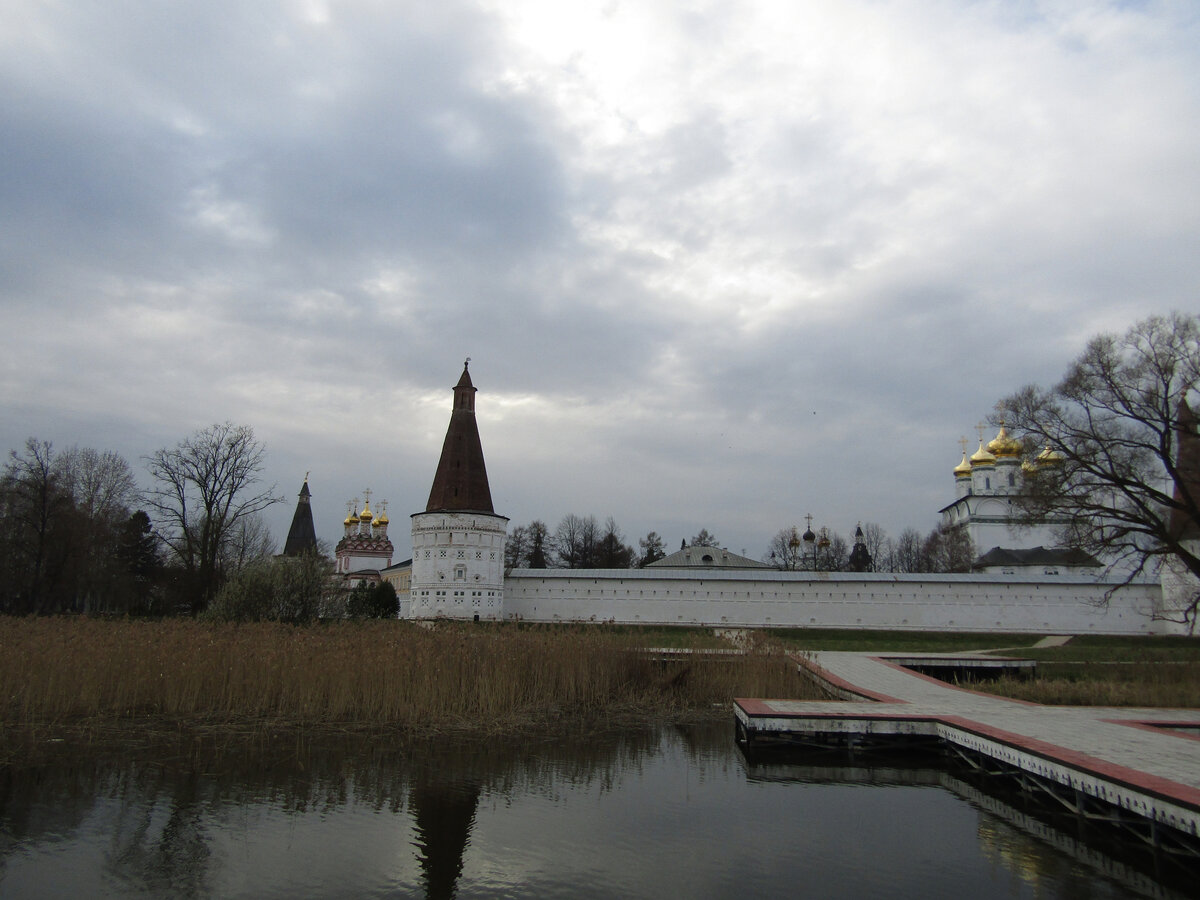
x: 76, y: 535
x: 581, y: 542
x: 941, y: 550
x: 71, y: 537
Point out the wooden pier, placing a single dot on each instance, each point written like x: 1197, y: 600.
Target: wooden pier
x: 1132, y: 769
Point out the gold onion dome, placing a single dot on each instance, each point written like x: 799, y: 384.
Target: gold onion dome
x: 1003, y: 445
x: 981, y: 457
x: 1049, y: 456
x: 366, y: 515
x: 963, y: 469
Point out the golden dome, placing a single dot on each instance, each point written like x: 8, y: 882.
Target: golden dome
x: 1003, y: 445
x: 351, y: 519
x: 981, y: 457
x: 1050, y: 457
x: 366, y: 515
x: 963, y: 469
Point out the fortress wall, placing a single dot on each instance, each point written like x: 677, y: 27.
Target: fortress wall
x: 756, y: 598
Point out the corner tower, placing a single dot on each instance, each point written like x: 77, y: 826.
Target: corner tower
x: 302, y: 536
x: 458, y: 541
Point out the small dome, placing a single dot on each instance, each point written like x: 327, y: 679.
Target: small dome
x: 1003, y: 446
x: 383, y: 519
x: 1050, y: 457
x: 366, y: 515
x: 981, y: 457
x: 963, y: 469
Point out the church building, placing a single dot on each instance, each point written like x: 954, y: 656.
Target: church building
x: 987, y: 485
x: 365, y: 549
x: 458, y: 541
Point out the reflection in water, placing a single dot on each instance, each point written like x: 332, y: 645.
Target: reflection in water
x: 649, y: 812
x: 443, y: 814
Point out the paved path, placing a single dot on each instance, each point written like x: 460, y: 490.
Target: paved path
x: 1117, y: 754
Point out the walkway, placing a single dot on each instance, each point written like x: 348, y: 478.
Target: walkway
x: 1131, y: 759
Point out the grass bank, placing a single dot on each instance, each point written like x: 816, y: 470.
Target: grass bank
x: 67, y: 671
x: 1109, y: 683
x: 898, y: 641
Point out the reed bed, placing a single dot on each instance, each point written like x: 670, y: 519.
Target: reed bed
x: 66, y: 670
x: 1150, y: 684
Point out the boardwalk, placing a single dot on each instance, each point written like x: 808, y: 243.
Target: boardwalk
x: 1119, y: 763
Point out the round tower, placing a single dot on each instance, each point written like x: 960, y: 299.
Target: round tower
x: 458, y: 541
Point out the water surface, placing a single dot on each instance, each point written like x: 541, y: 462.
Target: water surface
x: 658, y: 812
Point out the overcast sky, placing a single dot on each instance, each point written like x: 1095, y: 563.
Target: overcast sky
x: 716, y: 264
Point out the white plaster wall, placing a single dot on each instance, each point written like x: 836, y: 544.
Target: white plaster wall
x: 1064, y: 604
x: 458, y: 565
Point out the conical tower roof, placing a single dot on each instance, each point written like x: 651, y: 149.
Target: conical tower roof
x: 302, y: 536
x: 461, y: 482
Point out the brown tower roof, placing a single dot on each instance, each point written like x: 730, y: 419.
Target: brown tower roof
x: 461, y: 482
x: 302, y: 536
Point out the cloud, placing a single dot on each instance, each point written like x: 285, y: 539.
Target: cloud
x: 718, y: 266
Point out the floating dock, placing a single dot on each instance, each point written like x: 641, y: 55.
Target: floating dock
x: 1137, y: 770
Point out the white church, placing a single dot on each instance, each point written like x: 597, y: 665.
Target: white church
x: 1021, y: 583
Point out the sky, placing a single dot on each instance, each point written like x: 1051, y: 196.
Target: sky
x: 716, y: 265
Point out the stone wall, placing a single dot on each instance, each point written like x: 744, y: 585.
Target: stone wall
x: 1045, y: 604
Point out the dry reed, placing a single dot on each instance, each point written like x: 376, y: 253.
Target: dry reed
x: 1149, y: 684
x: 63, y: 670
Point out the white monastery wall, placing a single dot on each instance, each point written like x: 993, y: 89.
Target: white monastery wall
x: 1063, y: 604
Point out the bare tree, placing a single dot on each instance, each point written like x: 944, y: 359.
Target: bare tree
x: 652, y: 549
x: 704, y: 539
x: 516, y: 548
x: 204, y: 486
x: 947, y: 549
x: 876, y: 541
x: 576, y: 540
x: 1117, y: 458
x: 248, y: 541
x: 102, y: 490
x: 907, y: 556
x: 36, y: 514
x: 786, y: 549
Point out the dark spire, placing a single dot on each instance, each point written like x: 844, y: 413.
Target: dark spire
x: 302, y: 536
x: 461, y: 482
x: 1184, y: 523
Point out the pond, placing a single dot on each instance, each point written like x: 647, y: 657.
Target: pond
x: 668, y: 811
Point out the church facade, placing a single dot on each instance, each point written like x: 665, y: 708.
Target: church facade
x: 986, y: 486
x: 364, y: 549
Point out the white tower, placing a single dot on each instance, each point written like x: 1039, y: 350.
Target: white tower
x: 458, y: 542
